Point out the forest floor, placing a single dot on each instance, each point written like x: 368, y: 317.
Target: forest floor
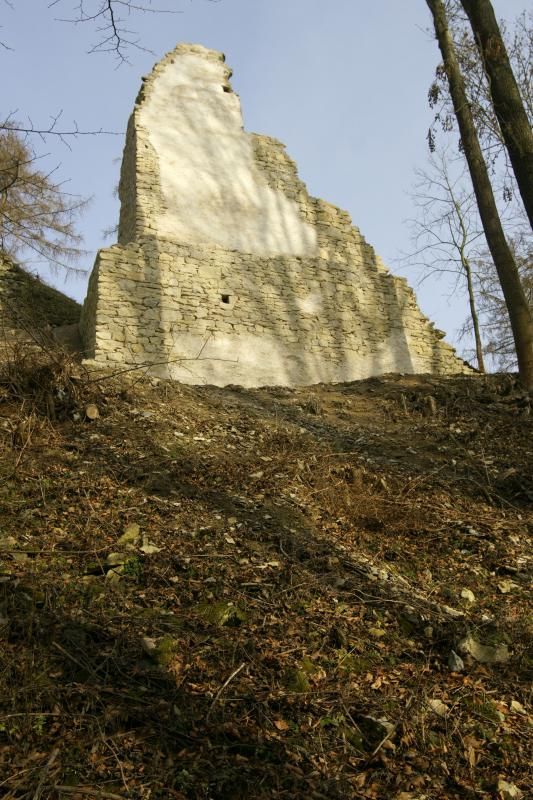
x: 217, y: 593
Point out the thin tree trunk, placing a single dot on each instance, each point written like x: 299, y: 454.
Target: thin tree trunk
x: 473, y: 313
x: 508, y: 105
x: 465, y: 263
x: 515, y: 299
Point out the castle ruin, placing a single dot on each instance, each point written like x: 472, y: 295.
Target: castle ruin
x: 226, y: 270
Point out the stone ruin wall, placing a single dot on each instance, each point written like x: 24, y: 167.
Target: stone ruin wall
x: 226, y: 270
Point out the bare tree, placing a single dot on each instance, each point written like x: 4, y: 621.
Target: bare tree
x: 447, y: 232
x: 497, y: 333
x: 506, y: 100
x: 519, y: 43
x: 517, y: 306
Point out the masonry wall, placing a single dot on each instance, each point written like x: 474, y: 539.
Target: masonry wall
x: 226, y: 270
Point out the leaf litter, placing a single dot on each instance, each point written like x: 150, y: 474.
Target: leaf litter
x: 226, y: 593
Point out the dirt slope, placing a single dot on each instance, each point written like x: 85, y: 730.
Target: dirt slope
x: 299, y: 570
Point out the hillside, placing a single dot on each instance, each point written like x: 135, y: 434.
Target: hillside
x: 272, y: 593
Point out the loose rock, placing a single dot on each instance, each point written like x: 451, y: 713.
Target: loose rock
x: 131, y: 535
x: 455, y: 662
x: 485, y: 654
x: 468, y: 596
x: 91, y: 411
x: 508, y: 791
x: 438, y: 707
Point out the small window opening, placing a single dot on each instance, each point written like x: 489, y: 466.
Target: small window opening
x: 227, y: 89
x: 225, y: 298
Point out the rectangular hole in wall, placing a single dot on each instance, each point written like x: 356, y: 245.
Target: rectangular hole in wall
x: 225, y: 298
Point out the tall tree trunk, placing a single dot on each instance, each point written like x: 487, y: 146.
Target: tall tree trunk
x: 505, y: 94
x: 515, y: 299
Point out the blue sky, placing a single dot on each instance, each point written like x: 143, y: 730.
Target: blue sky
x: 343, y: 83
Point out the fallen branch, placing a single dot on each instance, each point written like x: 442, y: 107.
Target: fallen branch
x: 40, y: 786
x: 224, y: 685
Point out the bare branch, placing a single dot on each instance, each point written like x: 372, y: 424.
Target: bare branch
x: 52, y: 129
x: 108, y: 18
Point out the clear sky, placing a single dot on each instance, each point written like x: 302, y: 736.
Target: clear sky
x: 343, y: 83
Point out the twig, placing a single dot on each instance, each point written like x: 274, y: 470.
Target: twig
x: 146, y: 365
x: 68, y: 655
x: 109, y: 745
x: 63, y: 552
x: 39, y: 790
x: 22, y: 771
x: 88, y: 791
x: 390, y: 733
x: 380, y: 745
x: 226, y: 683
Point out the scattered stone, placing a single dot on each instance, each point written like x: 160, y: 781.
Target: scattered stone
x: 452, y: 612
x: 485, y: 654
x: 116, y: 559
x: 438, y: 707
x: 8, y: 543
x: 91, y: 411
x: 507, y: 586
x: 468, y: 596
x: 131, y: 535
x: 508, y: 791
x: 114, y: 575
x: 455, y: 662
x: 148, y: 645
x: 149, y: 547
x: 160, y: 650
x: 518, y: 708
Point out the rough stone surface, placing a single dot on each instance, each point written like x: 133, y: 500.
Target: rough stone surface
x: 226, y: 270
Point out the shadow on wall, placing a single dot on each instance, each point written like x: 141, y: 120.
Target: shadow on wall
x: 209, y: 179
x: 228, y: 272
x: 261, y: 334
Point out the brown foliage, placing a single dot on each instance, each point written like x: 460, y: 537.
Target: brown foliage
x: 37, y: 215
